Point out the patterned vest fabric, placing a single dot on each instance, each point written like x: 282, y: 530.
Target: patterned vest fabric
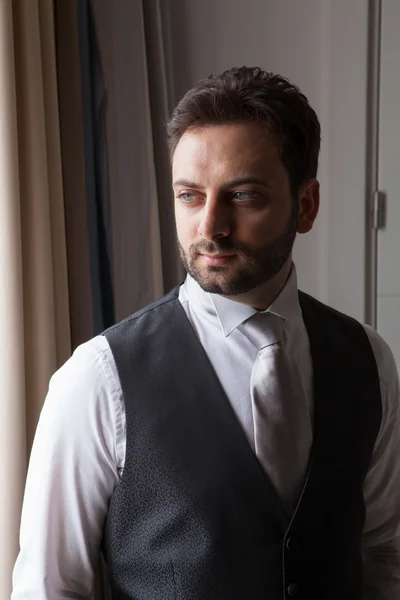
x: 194, y: 517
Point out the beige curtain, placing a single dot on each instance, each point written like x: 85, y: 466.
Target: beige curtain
x: 34, y: 313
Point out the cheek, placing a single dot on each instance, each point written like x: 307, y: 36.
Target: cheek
x: 185, y: 227
x: 262, y: 228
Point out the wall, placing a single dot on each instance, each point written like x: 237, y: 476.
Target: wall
x: 322, y: 45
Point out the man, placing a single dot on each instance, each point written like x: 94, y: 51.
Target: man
x: 237, y: 439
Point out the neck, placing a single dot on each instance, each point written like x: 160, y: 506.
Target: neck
x: 263, y: 296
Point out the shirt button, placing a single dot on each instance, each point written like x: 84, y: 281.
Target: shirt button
x: 293, y: 544
x: 294, y: 590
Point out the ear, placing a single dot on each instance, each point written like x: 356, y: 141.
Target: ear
x: 308, y: 205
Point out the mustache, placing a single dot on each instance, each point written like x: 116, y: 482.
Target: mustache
x: 223, y: 245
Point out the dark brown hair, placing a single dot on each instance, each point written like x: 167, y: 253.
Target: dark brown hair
x: 251, y: 94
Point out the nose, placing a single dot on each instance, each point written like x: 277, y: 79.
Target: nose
x: 215, y: 220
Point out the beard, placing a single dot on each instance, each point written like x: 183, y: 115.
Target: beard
x: 257, y: 266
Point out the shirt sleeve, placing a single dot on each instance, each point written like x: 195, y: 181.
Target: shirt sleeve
x: 73, y: 470
x: 381, y: 550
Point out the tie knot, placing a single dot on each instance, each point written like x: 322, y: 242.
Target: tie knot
x: 263, y: 329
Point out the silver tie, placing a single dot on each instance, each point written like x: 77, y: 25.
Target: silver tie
x: 282, y: 426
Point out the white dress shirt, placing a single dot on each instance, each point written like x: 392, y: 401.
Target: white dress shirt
x: 79, y: 449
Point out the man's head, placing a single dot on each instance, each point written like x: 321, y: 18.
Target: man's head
x: 244, y: 149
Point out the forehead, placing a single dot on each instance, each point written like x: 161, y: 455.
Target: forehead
x: 220, y: 151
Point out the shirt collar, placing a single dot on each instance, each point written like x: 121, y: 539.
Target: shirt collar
x: 231, y: 314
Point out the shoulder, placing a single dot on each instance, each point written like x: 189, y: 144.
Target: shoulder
x: 332, y: 327
x: 161, y: 304
x: 387, y: 369
x: 312, y: 305
x: 87, y: 383
x: 85, y: 363
x: 384, y: 359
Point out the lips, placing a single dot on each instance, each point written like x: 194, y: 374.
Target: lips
x: 217, y: 259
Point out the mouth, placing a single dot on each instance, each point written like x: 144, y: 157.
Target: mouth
x: 217, y: 259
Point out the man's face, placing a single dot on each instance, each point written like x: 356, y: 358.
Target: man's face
x: 235, y: 216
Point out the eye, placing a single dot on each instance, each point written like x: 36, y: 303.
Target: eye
x: 245, y: 196
x: 188, y: 197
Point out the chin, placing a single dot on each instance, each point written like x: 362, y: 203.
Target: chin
x: 215, y: 281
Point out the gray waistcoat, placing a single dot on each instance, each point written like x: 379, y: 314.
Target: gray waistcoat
x: 194, y: 516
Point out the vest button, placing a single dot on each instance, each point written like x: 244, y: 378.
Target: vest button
x: 294, y: 590
x: 293, y: 544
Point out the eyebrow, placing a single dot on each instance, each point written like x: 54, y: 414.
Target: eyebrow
x: 230, y: 184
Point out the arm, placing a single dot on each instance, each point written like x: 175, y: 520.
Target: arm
x: 73, y: 471
x: 382, y: 572
x: 381, y: 549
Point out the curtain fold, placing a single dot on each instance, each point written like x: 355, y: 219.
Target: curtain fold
x: 136, y: 243
x: 119, y: 212
x: 161, y: 98
x: 94, y: 107
x: 34, y: 306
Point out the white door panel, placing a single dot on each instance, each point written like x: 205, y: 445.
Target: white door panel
x: 388, y: 275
